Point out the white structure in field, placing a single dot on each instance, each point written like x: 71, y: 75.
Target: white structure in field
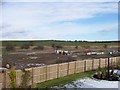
x: 64, y: 52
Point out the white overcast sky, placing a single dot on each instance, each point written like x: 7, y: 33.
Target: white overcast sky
x: 63, y: 20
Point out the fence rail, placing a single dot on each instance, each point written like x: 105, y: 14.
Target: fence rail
x: 49, y: 72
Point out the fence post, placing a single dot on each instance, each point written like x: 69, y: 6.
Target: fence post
x: 84, y: 65
x: 100, y: 62
x: 32, y: 76
x: 75, y: 67
x: 68, y: 69
x: 46, y: 72
x: 57, y: 70
x: 92, y: 64
x: 4, y: 79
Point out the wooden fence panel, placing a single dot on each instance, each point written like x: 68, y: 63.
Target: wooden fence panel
x: 1, y: 77
x: 43, y: 74
x: 88, y: 65
x: 7, y: 81
x: 95, y: 64
x: 63, y: 69
x: 102, y: 62
x: 79, y: 66
x: 36, y: 75
x: 52, y: 71
x: 110, y: 61
x: 31, y: 72
x: 115, y: 60
x: 3, y: 81
x: 71, y: 68
x: 106, y: 62
x: 18, y: 77
x: 118, y: 60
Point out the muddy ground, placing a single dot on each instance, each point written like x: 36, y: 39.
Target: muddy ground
x: 25, y: 60
x: 31, y: 58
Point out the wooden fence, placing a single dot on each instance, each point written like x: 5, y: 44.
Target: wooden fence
x: 49, y: 72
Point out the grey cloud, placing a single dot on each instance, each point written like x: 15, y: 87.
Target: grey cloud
x: 14, y: 34
x: 106, y: 30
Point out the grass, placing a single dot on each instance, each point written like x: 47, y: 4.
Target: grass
x: 64, y: 80
x: 63, y: 43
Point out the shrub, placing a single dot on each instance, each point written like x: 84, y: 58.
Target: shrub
x: 25, y: 46
x: 12, y: 76
x: 114, y: 77
x: 98, y: 72
x: 26, y: 76
x: 104, y: 73
x: 9, y: 47
x: 31, y: 43
x: 105, y: 46
x: 59, y: 46
x: 112, y: 72
x: 76, y: 47
x: 54, y: 46
x: 39, y: 48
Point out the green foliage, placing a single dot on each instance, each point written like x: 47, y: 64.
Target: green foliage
x: 104, y: 73
x: 39, y: 47
x: 53, y: 46
x: 31, y: 43
x: 56, y: 46
x: 59, y: 46
x: 9, y: 47
x: 114, y: 77
x: 26, y: 76
x: 76, y: 47
x: 105, y: 46
x: 25, y: 46
x: 98, y: 71
x: 12, y: 76
x: 112, y: 72
x: 64, y: 43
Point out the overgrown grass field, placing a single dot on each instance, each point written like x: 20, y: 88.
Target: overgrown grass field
x: 64, y: 43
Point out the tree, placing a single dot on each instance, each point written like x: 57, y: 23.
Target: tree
x: 12, y: 76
